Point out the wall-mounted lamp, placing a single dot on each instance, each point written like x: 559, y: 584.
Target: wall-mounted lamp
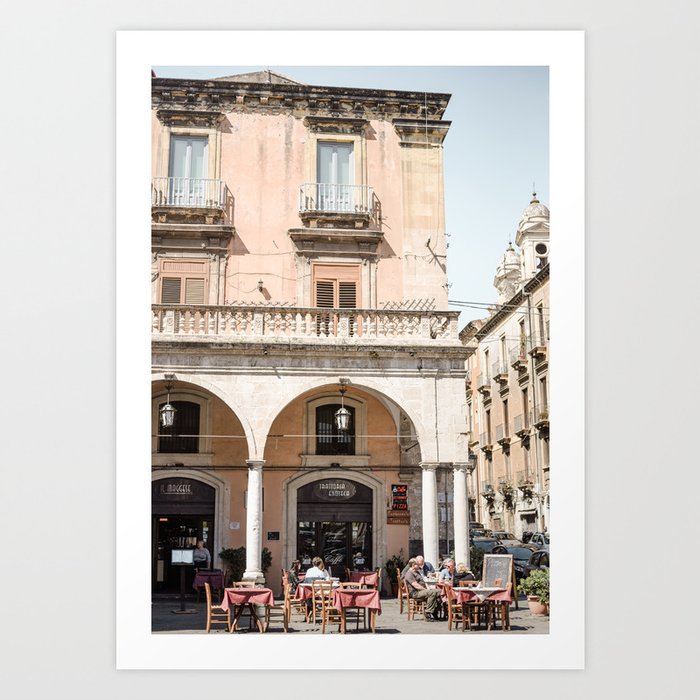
x: 342, y: 415
x: 261, y: 285
x: 167, y: 413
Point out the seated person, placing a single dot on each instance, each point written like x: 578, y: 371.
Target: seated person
x: 201, y: 556
x: 419, y: 591
x: 462, y: 573
x: 293, y: 576
x: 447, y: 571
x: 317, y: 572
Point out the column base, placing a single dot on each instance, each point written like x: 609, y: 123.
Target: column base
x: 255, y: 576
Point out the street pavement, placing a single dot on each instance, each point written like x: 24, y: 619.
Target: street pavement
x: 165, y: 621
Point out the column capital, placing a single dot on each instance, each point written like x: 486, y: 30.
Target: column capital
x: 460, y: 466
x: 255, y: 463
x: 429, y: 466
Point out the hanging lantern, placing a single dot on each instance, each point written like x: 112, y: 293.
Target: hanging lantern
x: 342, y: 415
x: 167, y: 413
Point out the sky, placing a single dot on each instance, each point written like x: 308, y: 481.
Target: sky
x: 496, y: 148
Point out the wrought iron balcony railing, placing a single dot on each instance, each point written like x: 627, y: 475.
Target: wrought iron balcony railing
x: 188, y: 192
x: 328, y: 198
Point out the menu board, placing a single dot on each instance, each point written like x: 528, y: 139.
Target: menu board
x: 399, y: 497
x: 182, y: 556
x: 497, y: 571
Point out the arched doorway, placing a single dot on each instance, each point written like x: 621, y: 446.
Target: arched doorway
x: 184, y: 508
x: 334, y: 521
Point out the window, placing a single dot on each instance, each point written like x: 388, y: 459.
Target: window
x: 334, y: 176
x: 188, y: 169
x: 506, y: 418
x: 526, y: 409
x: 542, y: 252
x: 183, y: 281
x: 330, y: 440
x: 336, y: 287
x: 183, y: 436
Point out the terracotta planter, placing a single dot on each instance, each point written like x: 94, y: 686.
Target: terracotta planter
x: 536, y: 608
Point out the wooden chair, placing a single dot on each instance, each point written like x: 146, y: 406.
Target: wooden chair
x: 323, y: 594
x: 402, y: 592
x: 216, y: 615
x: 455, y: 611
x: 413, y: 605
x: 356, y: 613
x: 294, y: 606
x: 280, y: 610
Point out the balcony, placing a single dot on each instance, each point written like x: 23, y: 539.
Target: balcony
x: 537, y: 346
x: 485, y: 442
x: 284, y: 324
x: 541, y: 417
x: 502, y: 435
x: 520, y: 425
x: 500, y: 373
x: 483, y: 384
x: 188, y: 198
x: 518, y: 359
x: 345, y: 206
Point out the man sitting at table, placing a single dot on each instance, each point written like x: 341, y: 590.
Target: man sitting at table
x: 419, y: 591
x: 425, y: 567
x: 317, y: 572
x: 448, y: 571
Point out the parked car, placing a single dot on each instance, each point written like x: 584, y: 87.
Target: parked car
x: 538, y: 560
x: 540, y: 540
x: 521, y: 556
x: 507, y: 538
x: 485, y: 544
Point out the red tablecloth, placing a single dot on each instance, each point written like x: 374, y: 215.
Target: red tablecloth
x: 462, y: 595
x: 241, y: 596
x: 357, y: 598
x: 214, y: 578
x: 303, y: 593
x: 366, y: 578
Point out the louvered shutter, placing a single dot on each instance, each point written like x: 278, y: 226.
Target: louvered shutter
x: 170, y: 290
x: 347, y: 295
x: 324, y: 294
x: 194, y: 291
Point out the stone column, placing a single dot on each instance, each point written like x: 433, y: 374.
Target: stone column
x: 430, y: 512
x: 254, y: 515
x: 460, y: 513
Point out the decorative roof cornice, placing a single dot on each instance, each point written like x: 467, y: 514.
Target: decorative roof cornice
x: 182, y: 117
x: 421, y: 132
x: 172, y: 94
x: 335, y: 125
x: 505, y: 309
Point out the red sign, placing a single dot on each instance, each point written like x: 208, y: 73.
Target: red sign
x: 399, y: 497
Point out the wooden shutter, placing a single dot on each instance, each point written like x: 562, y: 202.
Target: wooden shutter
x: 194, y: 291
x: 170, y: 290
x: 347, y: 295
x: 325, y: 294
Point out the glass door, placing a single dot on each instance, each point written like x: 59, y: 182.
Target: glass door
x: 339, y: 544
x: 188, y: 170
x: 335, y: 176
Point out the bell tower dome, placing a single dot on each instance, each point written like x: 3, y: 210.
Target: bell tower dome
x: 508, y: 275
x: 532, y: 237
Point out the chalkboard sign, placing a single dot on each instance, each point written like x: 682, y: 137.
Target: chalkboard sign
x: 497, y: 571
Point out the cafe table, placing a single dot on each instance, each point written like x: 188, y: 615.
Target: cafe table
x: 366, y: 578
x: 214, y: 578
x: 470, y: 594
x: 239, y: 598
x: 304, y: 590
x: 348, y: 598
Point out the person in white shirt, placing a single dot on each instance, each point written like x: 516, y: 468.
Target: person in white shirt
x: 317, y: 572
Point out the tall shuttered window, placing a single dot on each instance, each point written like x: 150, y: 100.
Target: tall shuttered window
x: 336, y: 287
x: 183, y: 282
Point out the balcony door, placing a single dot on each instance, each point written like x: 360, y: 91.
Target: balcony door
x: 335, y: 168
x: 188, y: 170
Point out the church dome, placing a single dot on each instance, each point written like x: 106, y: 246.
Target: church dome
x: 535, y: 219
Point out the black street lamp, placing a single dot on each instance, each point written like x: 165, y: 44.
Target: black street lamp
x: 167, y: 413
x: 342, y: 415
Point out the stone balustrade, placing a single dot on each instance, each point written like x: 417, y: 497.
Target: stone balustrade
x: 331, y: 326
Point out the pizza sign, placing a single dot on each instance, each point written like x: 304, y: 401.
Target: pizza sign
x: 399, y: 497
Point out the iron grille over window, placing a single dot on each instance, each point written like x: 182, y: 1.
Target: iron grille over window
x: 329, y: 440
x: 173, y: 439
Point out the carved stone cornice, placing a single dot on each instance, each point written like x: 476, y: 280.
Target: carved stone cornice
x: 355, y: 242
x: 207, y: 119
x: 335, y: 125
x: 213, y: 239
x: 172, y: 95
x: 421, y: 133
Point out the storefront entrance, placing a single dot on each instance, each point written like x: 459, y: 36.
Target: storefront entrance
x: 183, y: 512
x: 334, y: 521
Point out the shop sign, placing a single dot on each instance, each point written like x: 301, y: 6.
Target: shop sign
x: 272, y: 535
x: 334, y: 490
x: 399, y: 497
x: 398, y: 517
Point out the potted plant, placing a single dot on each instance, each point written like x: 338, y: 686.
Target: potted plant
x: 536, y: 588
x: 395, y: 562
x: 508, y: 493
